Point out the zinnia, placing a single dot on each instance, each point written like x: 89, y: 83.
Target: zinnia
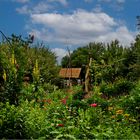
x: 93, y: 105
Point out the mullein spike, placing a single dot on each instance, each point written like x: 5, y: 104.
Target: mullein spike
x: 36, y: 70
x: 4, y: 75
x: 13, y: 58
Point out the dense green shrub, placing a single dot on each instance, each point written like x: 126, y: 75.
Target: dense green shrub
x: 79, y: 95
x: 119, y: 87
x: 132, y: 102
x: 76, y: 104
x: 25, y: 121
x: 12, y: 122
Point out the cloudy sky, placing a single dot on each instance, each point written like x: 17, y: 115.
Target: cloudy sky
x: 73, y: 23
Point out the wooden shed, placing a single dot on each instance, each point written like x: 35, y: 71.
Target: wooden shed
x: 70, y: 75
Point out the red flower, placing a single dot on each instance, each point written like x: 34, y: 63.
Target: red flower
x: 64, y: 101
x: 60, y: 125
x: 93, y: 105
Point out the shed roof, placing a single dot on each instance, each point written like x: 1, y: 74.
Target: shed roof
x: 70, y: 72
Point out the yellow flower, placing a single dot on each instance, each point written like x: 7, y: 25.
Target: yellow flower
x: 119, y: 111
x: 4, y: 75
x: 36, y: 70
x: 110, y: 108
x: 126, y: 115
x: 13, y: 59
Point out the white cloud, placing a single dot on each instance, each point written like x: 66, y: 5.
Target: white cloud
x: 60, y: 53
x: 78, y: 30
x: 63, y: 2
x: 23, y: 10
x: 41, y: 7
x: 21, y: 1
x: 75, y: 24
x: 121, y: 33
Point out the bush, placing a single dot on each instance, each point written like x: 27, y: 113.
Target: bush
x: 23, y: 122
x: 132, y: 102
x: 79, y: 95
x: 119, y: 87
x: 76, y: 104
x: 12, y: 122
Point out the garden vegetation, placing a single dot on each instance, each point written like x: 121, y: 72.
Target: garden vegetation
x: 33, y: 104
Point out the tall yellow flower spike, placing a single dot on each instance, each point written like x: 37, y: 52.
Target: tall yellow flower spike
x: 13, y: 58
x: 36, y: 70
x: 4, y: 75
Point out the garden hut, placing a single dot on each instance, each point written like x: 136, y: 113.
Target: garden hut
x: 70, y: 75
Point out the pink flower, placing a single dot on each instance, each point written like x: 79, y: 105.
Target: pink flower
x: 93, y: 105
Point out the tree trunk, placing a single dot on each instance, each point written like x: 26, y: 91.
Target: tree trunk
x: 87, y: 76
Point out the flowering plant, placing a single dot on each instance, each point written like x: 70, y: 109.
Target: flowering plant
x: 93, y: 105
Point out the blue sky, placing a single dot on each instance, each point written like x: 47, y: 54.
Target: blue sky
x: 73, y: 23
